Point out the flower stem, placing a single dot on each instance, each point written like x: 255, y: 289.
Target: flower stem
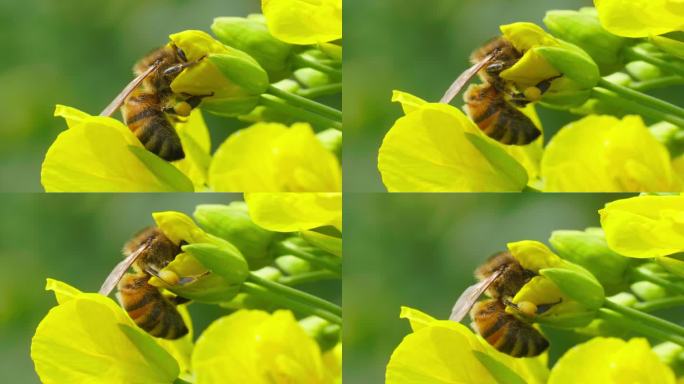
x: 282, y: 106
x: 296, y: 306
x: 323, y: 90
x: 613, y: 100
x: 302, y: 61
x: 658, y: 304
x: 645, y: 319
x: 289, y: 248
x: 657, y: 83
x: 304, y: 103
x: 307, y: 277
x: 655, y: 279
x: 636, y: 53
x: 642, y: 98
x: 295, y: 294
x: 627, y: 323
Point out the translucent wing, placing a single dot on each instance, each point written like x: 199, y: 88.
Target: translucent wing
x: 121, y: 268
x: 116, y: 103
x: 470, y: 296
x: 463, y: 79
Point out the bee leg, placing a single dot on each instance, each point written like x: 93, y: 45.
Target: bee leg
x: 179, y: 300
x: 190, y: 279
x: 176, y: 69
x: 541, y: 308
x: 544, y: 85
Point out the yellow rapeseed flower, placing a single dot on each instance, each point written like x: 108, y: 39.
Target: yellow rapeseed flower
x: 435, y: 147
x: 645, y: 226
x: 606, y: 154
x: 640, y: 18
x: 304, y: 21
x: 611, y: 361
x: 89, y: 338
x: 271, y: 157
x: 252, y: 346
x: 443, y: 351
x: 291, y: 212
x: 100, y: 154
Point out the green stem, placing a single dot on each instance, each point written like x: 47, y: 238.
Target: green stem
x: 616, y: 319
x: 292, y: 249
x: 655, y: 279
x: 645, y: 319
x: 657, y: 83
x: 613, y: 100
x: 308, y: 277
x: 644, y: 99
x: 323, y: 90
x: 658, y: 304
x: 301, y: 61
x: 296, y: 306
x: 305, y: 103
x: 295, y: 294
x: 635, y: 53
x: 282, y: 106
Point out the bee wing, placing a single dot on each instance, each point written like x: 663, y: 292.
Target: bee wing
x: 464, y: 78
x: 121, y: 268
x: 470, y: 296
x: 116, y: 103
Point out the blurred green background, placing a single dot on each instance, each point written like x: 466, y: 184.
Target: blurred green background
x: 420, y: 47
x: 80, y: 53
x: 420, y: 250
x: 77, y: 239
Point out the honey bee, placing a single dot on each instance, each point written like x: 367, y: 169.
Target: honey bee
x: 147, y: 254
x: 149, y: 105
x: 501, y: 277
x: 493, y: 105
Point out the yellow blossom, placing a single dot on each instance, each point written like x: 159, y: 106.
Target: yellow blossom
x: 640, y: 18
x: 89, y: 338
x: 100, y: 154
x: 252, y: 346
x: 611, y: 361
x: 304, y: 21
x: 271, y: 157
x: 606, y: 154
x: 443, y: 351
x: 289, y: 212
x: 645, y: 226
x: 435, y: 147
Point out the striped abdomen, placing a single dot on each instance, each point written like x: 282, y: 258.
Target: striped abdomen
x: 505, y: 332
x: 497, y: 118
x: 144, y: 116
x: 149, y: 309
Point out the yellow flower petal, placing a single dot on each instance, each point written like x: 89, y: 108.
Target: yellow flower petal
x: 445, y: 352
x: 95, y: 155
x: 611, y: 361
x: 91, y: 339
x: 640, y: 18
x: 304, y: 21
x: 270, y: 157
x: 263, y: 348
x: 437, y: 148
x: 645, y: 226
x: 602, y: 153
x: 409, y: 102
x: 290, y: 212
x: 196, y: 143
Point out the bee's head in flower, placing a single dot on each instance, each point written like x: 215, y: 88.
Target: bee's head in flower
x: 568, y: 294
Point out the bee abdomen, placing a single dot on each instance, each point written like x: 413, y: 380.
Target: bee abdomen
x: 149, y: 309
x: 156, y: 133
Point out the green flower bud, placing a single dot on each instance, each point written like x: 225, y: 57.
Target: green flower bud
x: 642, y: 70
x: 326, y: 335
x: 584, y: 30
x: 332, y: 140
x: 292, y: 265
x: 232, y: 77
x: 672, y: 46
x: 646, y: 290
x: 252, y: 36
x: 589, y: 249
x: 232, y: 223
x: 247, y: 301
x: 669, y: 353
x: 579, y: 286
x: 311, y: 77
x: 673, y: 264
